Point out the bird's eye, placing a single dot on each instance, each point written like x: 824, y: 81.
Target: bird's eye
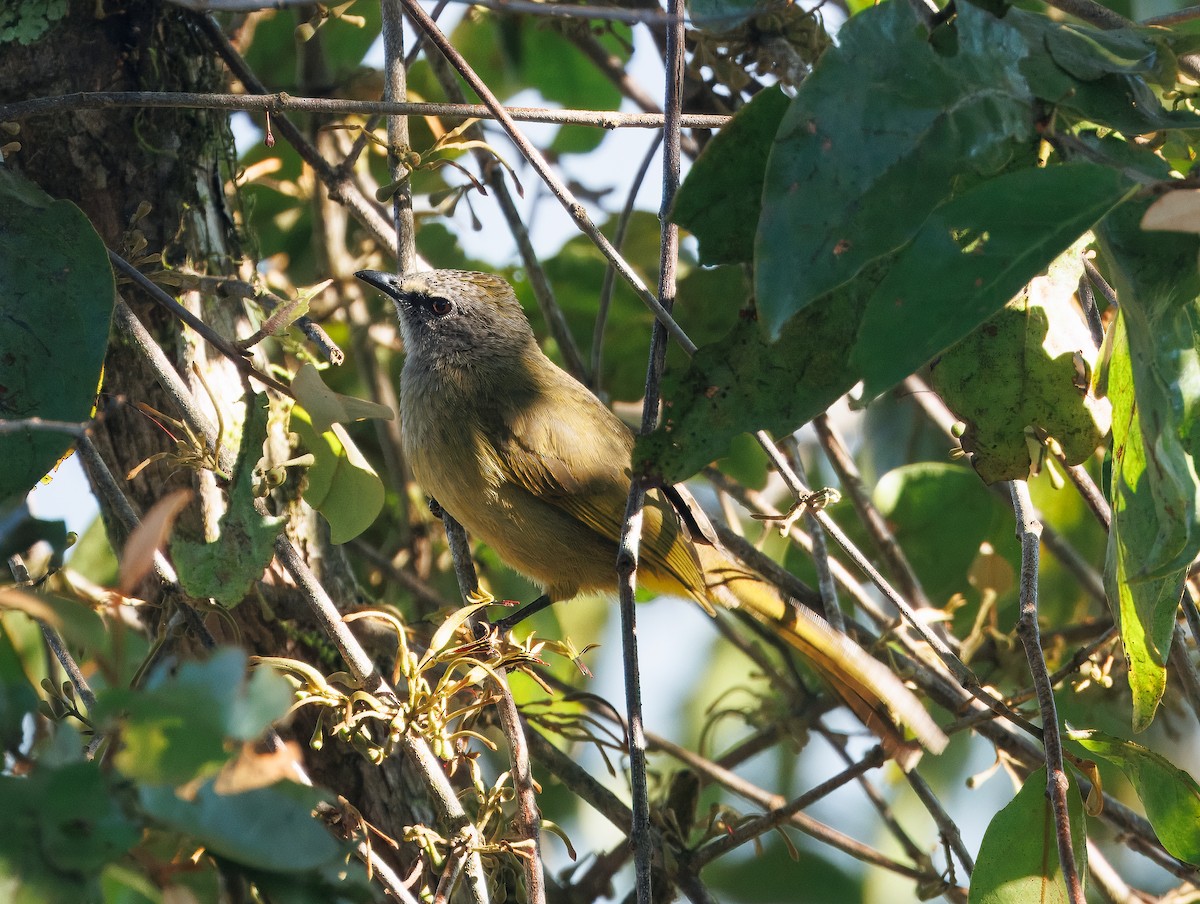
x: 441, y: 307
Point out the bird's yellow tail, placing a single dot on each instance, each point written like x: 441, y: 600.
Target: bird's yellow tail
x: 864, y: 684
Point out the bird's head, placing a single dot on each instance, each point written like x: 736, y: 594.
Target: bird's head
x: 455, y: 318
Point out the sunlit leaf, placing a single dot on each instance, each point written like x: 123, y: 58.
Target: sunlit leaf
x: 341, y: 485
x: 984, y: 246
x: 1027, y: 368
x: 1170, y: 795
x: 1018, y: 859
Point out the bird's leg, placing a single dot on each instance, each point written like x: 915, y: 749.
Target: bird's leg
x: 509, y: 622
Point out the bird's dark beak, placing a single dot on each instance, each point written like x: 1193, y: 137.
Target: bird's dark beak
x: 384, y: 282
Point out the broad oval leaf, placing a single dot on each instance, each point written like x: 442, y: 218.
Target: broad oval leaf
x: 873, y: 142
x: 56, y: 301
x: 1018, y: 859
x: 983, y: 247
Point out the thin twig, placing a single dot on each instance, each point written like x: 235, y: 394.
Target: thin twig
x: 573, y: 207
x: 947, y: 827
x: 1098, y: 280
x: 276, y: 104
x: 627, y: 562
x: 830, y: 607
x: 753, y: 828
x: 340, y: 185
x: 768, y: 801
x: 885, y: 541
x: 610, y: 273
x: 55, y: 642
x: 1178, y: 17
x: 1093, y: 12
x: 217, y: 341
x: 1057, y: 785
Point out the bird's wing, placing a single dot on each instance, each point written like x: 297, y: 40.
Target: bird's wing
x: 580, y: 462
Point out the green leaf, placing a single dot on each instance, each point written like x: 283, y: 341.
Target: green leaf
x: 721, y: 198
x: 1145, y: 607
x: 1170, y: 795
x: 225, y: 568
x: 742, y: 382
x: 940, y: 515
x: 18, y: 697
x: 60, y: 827
x: 1156, y: 278
x: 984, y: 247
x: 1018, y: 858
x: 874, y: 141
x: 56, y: 300
x: 1027, y: 368
x: 268, y: 828
x: 176, y: 728
x: 1101, y: 76
x: 342, y: 485
x: 326, y: 407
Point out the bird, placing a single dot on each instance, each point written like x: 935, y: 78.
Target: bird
x: 528, y: 460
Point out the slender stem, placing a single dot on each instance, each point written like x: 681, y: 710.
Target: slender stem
x: 395, y: 90
x: 572, y: 205
x: 852, y: 483
x: 220, y: 343
x: 753, y: 828
x: 606, y: 288
x: 339, y: 184
x: 627, y: 562
x: 830, y: 606
x: 1057, y: 785
x: 276, y: 104
x: 1098, y: 280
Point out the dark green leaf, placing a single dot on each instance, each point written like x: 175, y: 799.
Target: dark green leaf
x: 873, y: 142
x: 983, y: 246
x: 18, y: 697
x: 1171, y: 796
x: 56, y: 300
x: 742, y: 382
x: 60, y: 827
x: 268, y: 828
x: 721, y: 198
x: 1018, y: 859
